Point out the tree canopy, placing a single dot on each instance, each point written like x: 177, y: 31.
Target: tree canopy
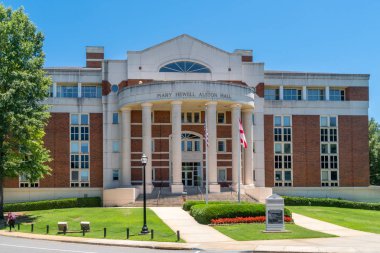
x: 23, y: 87
x: 374, y: 151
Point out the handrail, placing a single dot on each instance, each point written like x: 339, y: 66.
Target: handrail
x: 200, y: 190
x: 158, y: 195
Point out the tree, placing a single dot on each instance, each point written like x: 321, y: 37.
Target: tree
x: 374, y: 151
x: 23, y: 87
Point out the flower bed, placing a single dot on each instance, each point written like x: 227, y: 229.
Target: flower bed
x: 257, y: 219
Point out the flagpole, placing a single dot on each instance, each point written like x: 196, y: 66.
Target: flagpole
x: 239, y: 171
x: 206, y: 144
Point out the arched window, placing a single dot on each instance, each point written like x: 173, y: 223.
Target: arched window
x: 190, y: 142
x: 185, y: 67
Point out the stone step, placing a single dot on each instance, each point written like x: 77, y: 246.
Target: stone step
x: 167, y: 198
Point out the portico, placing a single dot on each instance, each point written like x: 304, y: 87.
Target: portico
x: 182, y: 109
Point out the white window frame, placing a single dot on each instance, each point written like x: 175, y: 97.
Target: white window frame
x: 225, y: 171
x: 330, y: 156
x: 282, y: 156
x: 118, y: 175
x: 224, y: 118
x: 185, y: 121
x: 80, y: 154
x: 224, y: 145
x: 24, y: 183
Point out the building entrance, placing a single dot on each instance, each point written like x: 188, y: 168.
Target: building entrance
x: 191, y: 174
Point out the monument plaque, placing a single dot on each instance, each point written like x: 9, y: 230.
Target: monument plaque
x: 274, y: 214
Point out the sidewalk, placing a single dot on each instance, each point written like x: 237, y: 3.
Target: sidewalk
x: 191, y: 231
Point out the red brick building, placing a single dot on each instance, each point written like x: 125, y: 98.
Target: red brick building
x: 305, y: 131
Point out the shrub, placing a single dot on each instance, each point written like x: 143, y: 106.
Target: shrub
x: 188, y: 204
x: 53, y: 204
x: 301, y: 201
x: 205, y: 213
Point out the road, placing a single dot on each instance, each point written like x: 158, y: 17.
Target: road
x: 21, y: 245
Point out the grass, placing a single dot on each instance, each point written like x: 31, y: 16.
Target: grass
x: 253, y: 231
x: 116, y: 220
x: 359, y: 219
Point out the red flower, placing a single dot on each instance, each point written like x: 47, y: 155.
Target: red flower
x: 257, y: 219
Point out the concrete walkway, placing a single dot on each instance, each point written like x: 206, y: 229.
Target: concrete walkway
x: 325, y: 227
x: 191, y: 231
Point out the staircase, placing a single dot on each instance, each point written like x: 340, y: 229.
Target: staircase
x: 163, y: 197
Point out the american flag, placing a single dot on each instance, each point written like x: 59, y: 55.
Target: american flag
x: 243, y: 141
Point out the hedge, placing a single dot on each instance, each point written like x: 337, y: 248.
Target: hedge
x: 301, y: 201
x: 205, y: 213
x: 188, y: 204
x: 53, y: 204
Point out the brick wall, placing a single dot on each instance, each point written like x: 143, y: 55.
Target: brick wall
x: 96, y: 150
x: 268, y: 149
x: 306, y: 151
x: 57, y: 140
x: 353, y: 151
x: 357, y: 94
x: 260, y: 90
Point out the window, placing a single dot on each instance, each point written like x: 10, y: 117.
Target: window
x: 221, y: 117
x: 79, y: 150
x: 116, y: 146
x: 115, y: 175
x: 222, y: 146
x: 115, y: 88
x: 329, y: 151
x: 337, y: 94
x: 283, y: 151
x: 90, y: 92
x: 74, y: 119
x: 67, y: 91
x: 292, y: 94
x: 84, y: 119
x: 24, y: 182
x: 272, y: 93
x: 190, y: 143
x: 315, y: 94
x: 185, y: 67
x: 115, y: 118
x: 222, y: 174
x: 190, y: 117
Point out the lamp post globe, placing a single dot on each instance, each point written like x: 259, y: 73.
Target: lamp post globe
x: 144, y: 160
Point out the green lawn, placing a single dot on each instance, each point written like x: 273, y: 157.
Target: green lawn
x: 116, y: 220
x: 253, y: 231
x: 359, y: 219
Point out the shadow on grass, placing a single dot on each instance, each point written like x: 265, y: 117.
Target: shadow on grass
x: 20, y: 219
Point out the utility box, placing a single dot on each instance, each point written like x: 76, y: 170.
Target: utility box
x: 85, y: 225
x: 62, y: 227
x: 274, y: 214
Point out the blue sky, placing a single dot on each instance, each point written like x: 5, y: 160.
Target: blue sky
x: 317, y: 36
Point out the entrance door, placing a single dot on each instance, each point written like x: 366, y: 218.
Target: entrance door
x: 190, y: 173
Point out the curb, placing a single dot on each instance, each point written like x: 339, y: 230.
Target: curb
x: 109, y: 242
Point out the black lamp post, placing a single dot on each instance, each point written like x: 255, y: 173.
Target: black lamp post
x: 144, y: 160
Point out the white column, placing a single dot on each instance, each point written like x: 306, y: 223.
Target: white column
x: 304, y: 93
x: 248, y: 152
x: 176, y: 154
x: 126, y: 146
x: 147, y: 142
x: 212, y: 155
x: 54, y: 89
x: 281, y: 92
x: 236, y: 148
x: 79, y: 90
x: 327, y: 93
